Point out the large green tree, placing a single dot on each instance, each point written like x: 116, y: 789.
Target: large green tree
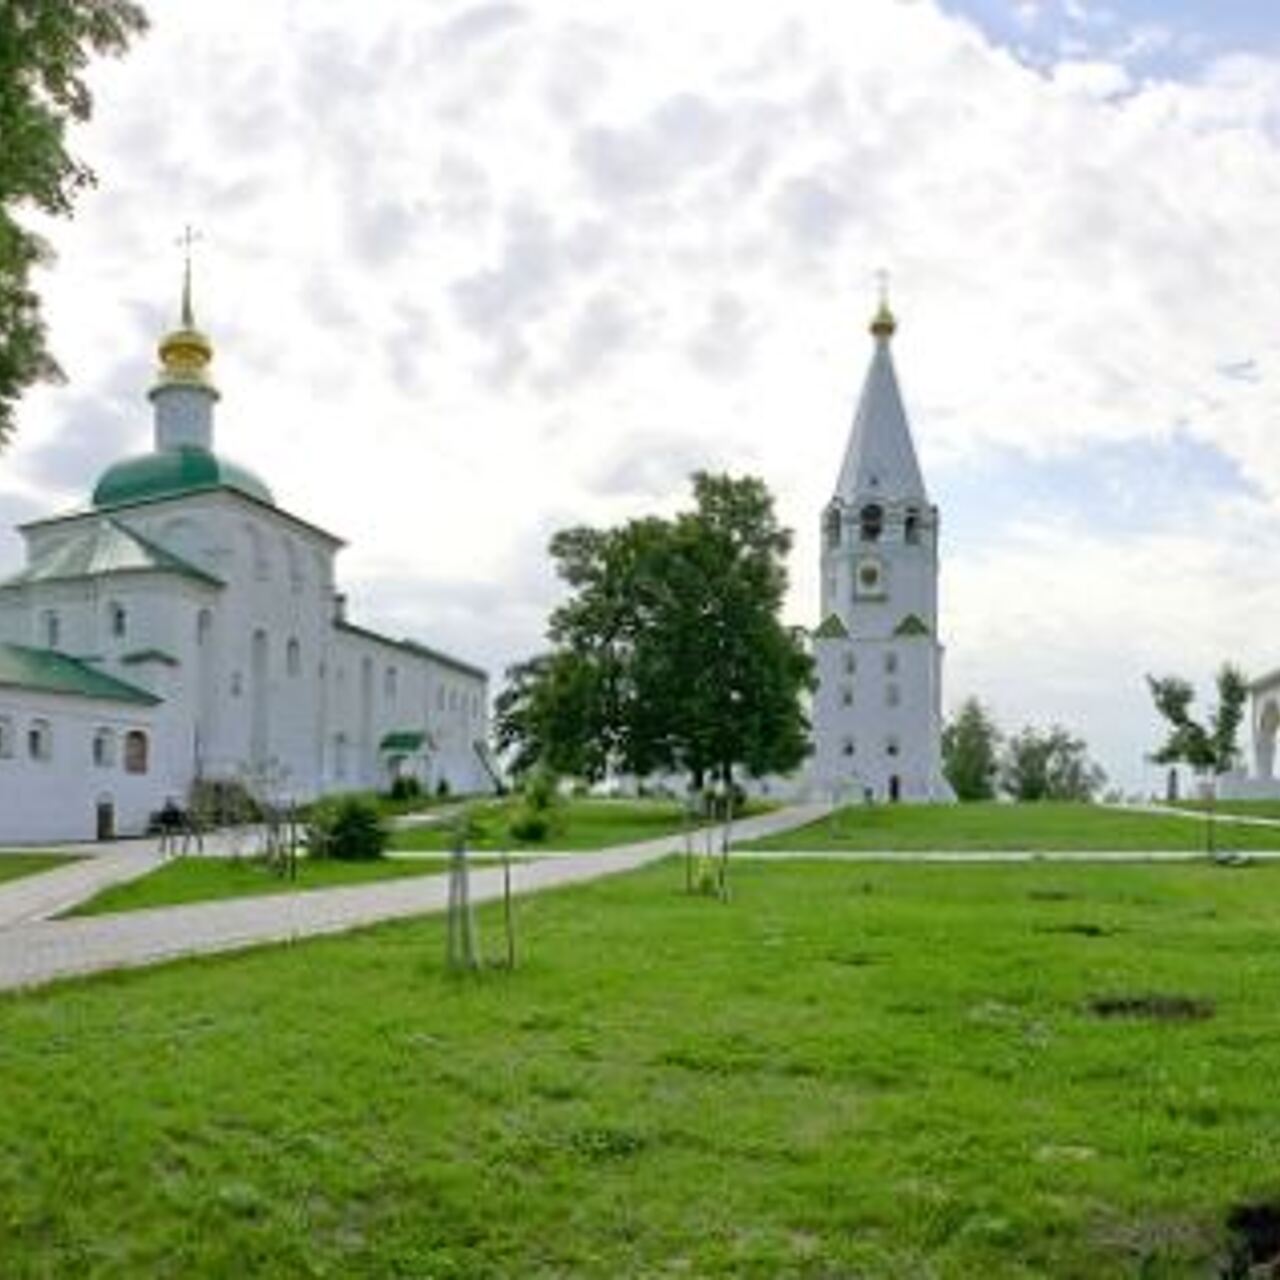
x: 970, y: 752
x: 669, y: 654
x: 45, y: 46
x: 1049, y: 764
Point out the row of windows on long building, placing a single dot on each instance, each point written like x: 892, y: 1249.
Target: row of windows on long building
x: 107, y: 747
x: 117, y: 620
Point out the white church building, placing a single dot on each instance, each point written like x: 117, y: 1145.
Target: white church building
x: 185, y: 627
x: 877, y: 711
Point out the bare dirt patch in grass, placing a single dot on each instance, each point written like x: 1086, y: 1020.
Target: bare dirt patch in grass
x: 1254, y: 1249
x: 1161, y: 1008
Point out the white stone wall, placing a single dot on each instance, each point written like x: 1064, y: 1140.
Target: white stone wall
x: 54, y: 797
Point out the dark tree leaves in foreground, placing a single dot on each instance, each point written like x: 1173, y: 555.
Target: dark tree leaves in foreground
x: 669, y: 655
x: 1049, y: 764
x: 45, y: 47
x: 970, y: 752
x: 1210, y: 749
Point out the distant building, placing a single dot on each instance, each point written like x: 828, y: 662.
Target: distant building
x: 877, y: 715
x: 183, y: 627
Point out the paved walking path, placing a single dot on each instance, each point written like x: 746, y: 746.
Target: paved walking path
x: 36, y: 953
x: 46, y: 893
x: 1198, y: 815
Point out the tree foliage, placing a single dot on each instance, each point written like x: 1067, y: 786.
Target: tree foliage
x: 1049, y: 764
x: 45, y: 46
x: 669, y: 654
x: 1208, y: 748
x: 970, y: 752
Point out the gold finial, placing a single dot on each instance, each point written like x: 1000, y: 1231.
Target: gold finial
x: 186, y: 240
x: 185, y: 352
x: 883, y: 323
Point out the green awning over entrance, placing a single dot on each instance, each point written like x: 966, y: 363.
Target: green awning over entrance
x: 402, y: 741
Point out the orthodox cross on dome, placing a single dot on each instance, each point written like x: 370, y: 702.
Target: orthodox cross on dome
x: 188, y: 238
x: 883, y: 324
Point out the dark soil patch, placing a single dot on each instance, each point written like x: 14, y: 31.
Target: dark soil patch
x: 1159, y: 1007
x: 1080, y: 930
x: 1050, y: 895
x: 1254, y: 1247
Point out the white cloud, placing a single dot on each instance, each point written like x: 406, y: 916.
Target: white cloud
x: 462, y: 261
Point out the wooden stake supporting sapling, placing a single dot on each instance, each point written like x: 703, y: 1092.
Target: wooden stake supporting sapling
x: 464, y: 949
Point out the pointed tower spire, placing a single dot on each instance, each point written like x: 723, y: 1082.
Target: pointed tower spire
x: 880, y: 458
x: 183, y: 393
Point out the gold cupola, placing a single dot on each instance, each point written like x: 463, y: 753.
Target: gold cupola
x: 884, y: 324
x: 185, y: 352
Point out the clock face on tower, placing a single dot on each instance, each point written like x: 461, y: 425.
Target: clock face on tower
x: 868, y: 578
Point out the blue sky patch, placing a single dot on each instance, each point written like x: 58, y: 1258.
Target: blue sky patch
x: 1152, y: 38
x: 1125, y: 489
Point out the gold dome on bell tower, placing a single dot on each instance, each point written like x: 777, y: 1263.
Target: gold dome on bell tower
x: 185, y: 352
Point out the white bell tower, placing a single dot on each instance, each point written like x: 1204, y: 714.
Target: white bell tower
x: 877, y: 712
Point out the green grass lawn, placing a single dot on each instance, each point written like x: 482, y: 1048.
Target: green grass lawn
x: 1246, y: 808
x: 13, y: 865
x: 847, y: 1071
x: 585, y: 824
x: 1067, y: 827
x: 195, y: 879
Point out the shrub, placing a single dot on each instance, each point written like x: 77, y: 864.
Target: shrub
x: 346, y: 827
x: 529, y: 827
x: 540, y: 805
x: 405, y: 787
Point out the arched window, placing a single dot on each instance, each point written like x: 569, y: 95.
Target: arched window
x: 293, y: 658
x: 911, y: 526
x: 293, y: 566
x: 6, y: 738
x: 850, y: 664
x: 258, y: 555
x: 204, y: 626
x: 846, y: 696
x: 117, y: 620
x: 832, y: 526
x: 40, y: 740
x: 847, y: 747
x: 340, y: 755
x: 52, y: 629
x: 104, y: 748
x: 135, y: 751
x: 890, y: 662
x: 892, y: 695
x: 390, y: 682
x: 891, y: 747
x: 871, y: 522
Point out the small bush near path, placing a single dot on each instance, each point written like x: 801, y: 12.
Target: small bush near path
x: 349, y: 828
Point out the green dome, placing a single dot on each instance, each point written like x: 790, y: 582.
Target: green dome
x: 169, y: 472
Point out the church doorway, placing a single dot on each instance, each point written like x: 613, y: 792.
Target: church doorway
x: 895, y: 789
x: 105, y: 824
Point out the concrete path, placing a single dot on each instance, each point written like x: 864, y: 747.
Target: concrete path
x: 1197, y: 815
x: 33, y: 954
x: 46, y: 893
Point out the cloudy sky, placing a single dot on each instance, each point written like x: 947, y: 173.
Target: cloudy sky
x: 476, y: 271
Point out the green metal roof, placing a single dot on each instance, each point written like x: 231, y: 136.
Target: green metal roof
x: 105, y: 546
x: 911, y: 625
x: 402, y: 740
x: 50, y: 672
x: 831, y: 629
x: 149, y: 655
x: 170, y: 472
